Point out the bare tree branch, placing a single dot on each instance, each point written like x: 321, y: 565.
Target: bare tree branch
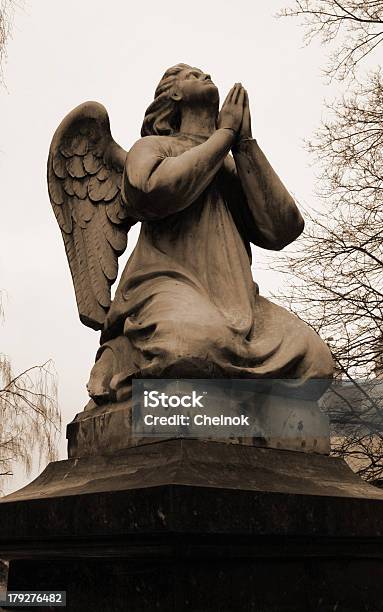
x: 357, y: 25
x: 335, y: 278
x: 7, y: 11
x: 29, y: 416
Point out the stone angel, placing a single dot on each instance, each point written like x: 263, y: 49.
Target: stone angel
x: 186, y: 304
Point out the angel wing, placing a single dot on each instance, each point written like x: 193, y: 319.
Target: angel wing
x: 85, y: 169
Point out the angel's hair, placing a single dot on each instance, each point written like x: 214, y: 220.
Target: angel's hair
x: 162, y: 117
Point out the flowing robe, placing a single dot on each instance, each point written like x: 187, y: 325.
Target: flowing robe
x: 187, y: 305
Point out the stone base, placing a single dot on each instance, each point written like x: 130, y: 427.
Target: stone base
x: 198, y: 526
x: 279, y: 422
x: 214, y: 577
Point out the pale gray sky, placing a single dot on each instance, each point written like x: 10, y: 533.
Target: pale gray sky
x: 64, y: 53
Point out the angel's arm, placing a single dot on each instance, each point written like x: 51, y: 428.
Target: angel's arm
x: 274, y: 219
x: 156, y: 184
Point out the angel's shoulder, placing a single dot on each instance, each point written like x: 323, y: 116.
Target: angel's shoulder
x: 152, y: 145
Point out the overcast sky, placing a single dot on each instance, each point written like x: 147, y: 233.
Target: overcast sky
x: 115, y: 52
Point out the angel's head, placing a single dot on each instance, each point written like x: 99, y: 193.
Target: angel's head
x: 181, y: 86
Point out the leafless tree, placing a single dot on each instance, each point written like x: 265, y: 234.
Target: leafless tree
x: 337, y: 269
x: 356, y: 24
x: 29, y: 416
x: 340, y: 259
x: 7, y: 11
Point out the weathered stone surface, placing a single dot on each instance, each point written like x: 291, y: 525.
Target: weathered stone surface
x: 214, y: 577
x: 190, y: 525
x: 186, y: 305
x: 279, y: 422
x: 199, y: 464
x: 287, y: 493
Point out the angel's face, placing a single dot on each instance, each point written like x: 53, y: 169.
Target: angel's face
x: 193, y: 86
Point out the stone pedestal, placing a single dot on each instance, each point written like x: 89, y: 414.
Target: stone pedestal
x: 202, y: 526
x: 277, y: 422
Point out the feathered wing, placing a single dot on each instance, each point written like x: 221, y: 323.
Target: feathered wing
x: 85, y: 169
